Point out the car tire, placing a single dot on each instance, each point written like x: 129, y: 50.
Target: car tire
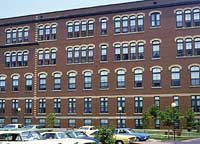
x: 137, y: 139
x: 119, y: 142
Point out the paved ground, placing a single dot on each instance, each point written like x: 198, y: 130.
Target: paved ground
x: 193, y: 141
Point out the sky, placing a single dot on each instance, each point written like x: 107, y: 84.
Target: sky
x: 13, y: 8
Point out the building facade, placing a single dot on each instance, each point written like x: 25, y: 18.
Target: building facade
x: 101, y: 66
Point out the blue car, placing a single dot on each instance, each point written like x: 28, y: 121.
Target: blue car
x: 80, y: 135
x: 128, y: 131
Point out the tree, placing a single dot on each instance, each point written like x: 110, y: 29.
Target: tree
x: 50, y: 120
x: 154, y: 111
x: 190, y: 119
x: 105, y: 136
x: 169, y: 117
x: 146, y: 119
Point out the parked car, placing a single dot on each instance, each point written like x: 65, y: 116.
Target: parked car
x: 12, y: 126
x: 80, y: 135
x: 62, y: 137
x: 87, y: 129
x: 128, y: 131
x: 32, y: 127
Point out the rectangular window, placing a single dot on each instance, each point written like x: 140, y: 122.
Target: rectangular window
x: 27, y: 121
x: 42, y: 106
x: 103, y: 53
x: 138, y: 124
x: 19, y: 35
x: 83, y: 55
x: 87, y: 122
x: 140, y: 51
x: 42, y: 122
x: 28, y: 106
x: 157, y: 123
x: 132, y: 24
x: 133, y: 51
x: 47, y: 33
x: 125, y: 51
x: 8, y: 37
x: 121, y: 123
x: 90, y: 54
x: 156, y: 50
x: 117, y: 52
x: 15, y: 106
x: 53, y: 32
x: 157, y: 101
x: 71, y: 105
x: 14, y: 36
x: 69, y: 55
x: 117, y: 25
x: 104, y: 105
x: 76, y: 29
x: 2, y: 106
x: 140, y: 23
x: 87, y: 105
x: 196, y: 16
x: 76, y: 55
x: 155, y: 19
x: 138, y: 102
x: 121, y: 105
x: 197, y: 46
x: 70, y: 30
x: 176, y: 101
x: 57, y: 105
x: 195, y: 103
x: 26, y: 39
x: 125, y: 24
x: 104, y: 27
x: 2, y: 84
x: 104, y: 123
x: 40, y: 33
x: 188, y: 47
x: 72, y: 123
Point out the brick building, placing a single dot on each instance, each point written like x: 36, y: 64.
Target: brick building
x: 84, y: 64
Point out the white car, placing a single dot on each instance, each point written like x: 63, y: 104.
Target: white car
x: 13, y: 126
x: 87, y: 129
x: 63, y: 138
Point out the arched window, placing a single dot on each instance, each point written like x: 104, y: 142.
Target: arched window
x: 155, y: 19
x: 25, y: 58
x: 179, y: 19
x: 156, y: 77
x: 138, y: 77
x: 133, y: 51
x: 179, y: 47
x: 197, y: 46
x: 7, y: 60
x: 53, y: 56
x: 57, y: 81
x: 8, y: 36
x: 175, y: 76
x: 117, y: 52
x: 53, y: 31
x: 87, y: 80
x: 47, y: 32
x: 47, y: 57
x: 125, y: 51
x: 140, y: 50
x: 156, y: 49
x: 15, y: 83
x: 70, y: 30
x: 188, y: 47
x: 104, y: 30
x: 40, y: 57
x: 19, y: 59
x: 40, y: 33
x: 2, y: 83
x: 196, y: 17
x: 125, y: 24
x: 140, y: 23
x: 121, y: 79
x: 104, y: 79
x: 42, y: 81
x: 20, y: 35
x: 90, y: 28
x: 28, y: 82
x: 195, y: 75
x: 83, y: 28
x: 13, y: 59
x: 132, y: 23
x: 188, y: 18
x: 76, y: 29
x: 117, y: 25
x: 72, y: 80
x: 69, y: 55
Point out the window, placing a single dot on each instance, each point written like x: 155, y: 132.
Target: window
x: 179, y: 19
x: 125, y: 24
x: 57, y: 123
x: 188, y: 47
x: 117, y: 52
x: 121, y: 103
x: 179, y: 45
x: 42, y: 81
x: 120, y: 79
x: 76, y: 55
x: 103, y: 79
x: 19, y: 59
x: 138, y: 124
x: 157, y: 101
x: 87, y: 105
x: 57, y: 105
x: 42, y: 106
x: 7, y: 60
x: 188, y: 18
x: 133, y: 51
x: 117, y: 25
x: 2, y: 83
x: 103, y: 53
x: 87, y: 80
x: 47, y: 32
x: 72, y: 123
x: 28, y: 106
x: 15, y: 83
x: 83, y: 54
x: 28, y: 82
x: 196, y: 17
x: 121, y: 123
x: 8, y: 36
x: 155, y: 19
x: 138, y: 77
x: 40, y: 33
x: 125, y: 51
x: 14, y: 36
x: 13, y: 59
x: 157, y: 123
x: 90, y: 28
x: 103, y: 123
x: 90, y: 54
x: 197, y: 46
x: 40, y: 57
x: 104, y: 30
x: 87, y: 122
x: 140, y: 23
x: 83, y: 28
x: 72, y: 80
x: 20, y: 34
x: 70, y: 30
x: 42, y: 122
x: 53, y: 56
x: 155, y: 49
x: 195, y: 75
x: 140, y: 50
x: 72, y: 105
x: 53, y: 32
x: 176, y: 101
x: 27, y: 121
x: 103, y: 105
x: 76, y: 29
x: 14, y: 120
x: 138, y: 102
x: 47, y: 57
x: 156, y: 72
x: 15, y: 105
x: 57, y: 81
x: 26, y: 39
x: 195, y: 103
x: 69, y: 55
x: 2, y: 106
x: 175, y: 76
x: 132, y: 23
x: 25, y: 58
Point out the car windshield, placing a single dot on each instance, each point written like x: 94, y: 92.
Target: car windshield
x: 62, y: 135
x: 80, y: 134
x: 30, y: 135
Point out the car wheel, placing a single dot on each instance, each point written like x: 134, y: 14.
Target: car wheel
x: 119, y: 142
x: 137, y: 139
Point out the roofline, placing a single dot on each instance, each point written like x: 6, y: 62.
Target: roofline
x: 94, y: 13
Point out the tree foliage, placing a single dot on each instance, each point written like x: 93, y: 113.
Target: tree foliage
x: 105, y: 136
x: 50, y: 119
x: 189, y: 119
x: 146, y: 117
